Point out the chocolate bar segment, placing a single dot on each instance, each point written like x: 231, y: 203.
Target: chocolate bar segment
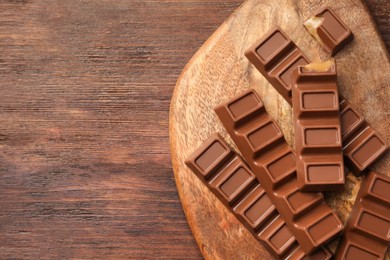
x: 276, y: 56
x: 329, y: 30
x: 362, y: 146
x: 367, y: 232
x: 262, y: 145
x: 318, y: 148
x: 234, y: 184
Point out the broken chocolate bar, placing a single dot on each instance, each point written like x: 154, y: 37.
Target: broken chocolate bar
x: 361, y: 144
x: 234, y: 184
x: 316, y: 116
x: 367, y: 232
x: 275, y: 56
x: 329, y: 30
x: 273, y: 162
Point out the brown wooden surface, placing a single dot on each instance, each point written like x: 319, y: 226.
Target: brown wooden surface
x: 85, y: 86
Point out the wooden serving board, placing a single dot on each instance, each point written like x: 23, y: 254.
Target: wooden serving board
x: 220, y: 71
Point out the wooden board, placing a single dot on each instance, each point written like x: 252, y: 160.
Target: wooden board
x: 219, y: 71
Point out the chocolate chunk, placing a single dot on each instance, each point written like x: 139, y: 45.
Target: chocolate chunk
x: 367, y: 232
x: 276, y: 56
x: 272, y: 161
x: 329, y: 30
x: 362, y: 145
x: 316, y: 117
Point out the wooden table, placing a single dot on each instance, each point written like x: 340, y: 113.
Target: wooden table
x: 85, y: 86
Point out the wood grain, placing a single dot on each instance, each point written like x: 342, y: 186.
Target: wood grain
x: 85, y: 87
x: 219, y: 71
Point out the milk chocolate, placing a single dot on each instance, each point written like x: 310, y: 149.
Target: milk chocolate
x: 329, y: 30
x: 228, y: 177
x: 367, y: 232
x: 316, y: 118
x: 273, y: 162
x: 361, y: 144
x: 276, y: 57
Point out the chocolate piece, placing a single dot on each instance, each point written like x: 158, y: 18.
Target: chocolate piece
x: 329, y: 30
x: 367, y: 232
x: 316, y: 117
x: 276, y: 57
x: 361, y: 144
x: 234, y: 184
x: 262, y: 145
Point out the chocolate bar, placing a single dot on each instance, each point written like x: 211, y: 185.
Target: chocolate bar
x: 273, y: 162
x: 361, y: 144
x: 329, y: 30
x: 318, y: 148
x: 276, y: 57
x: 367, y: 232
x: 233, y: 183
